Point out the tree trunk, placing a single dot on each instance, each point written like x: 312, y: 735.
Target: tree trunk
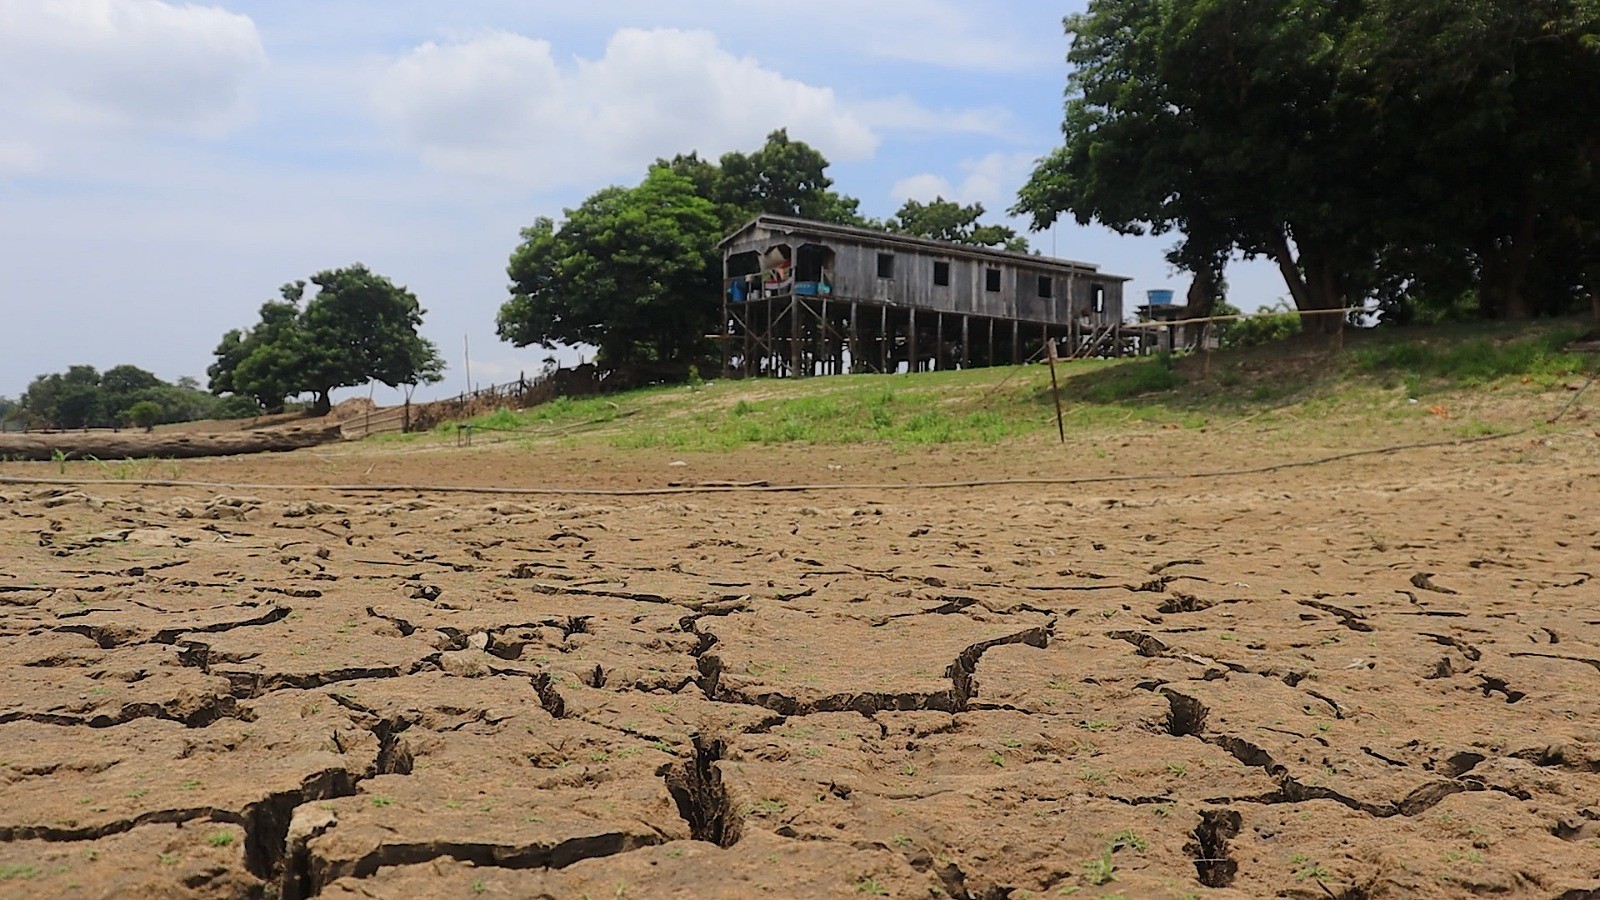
x: 1201, y: 300
x: 1503, y: 278
x: 1313, y: 281
x: 101, y: 445
x: 324, y: 403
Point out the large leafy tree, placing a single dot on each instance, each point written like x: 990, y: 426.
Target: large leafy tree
x: 629, y: 272
x: 1225, y: 121
x: 1486, y: 116
x: 362, y: 327
x: 1358, y: 144
x: 359, y: 327
x: 947, y: 220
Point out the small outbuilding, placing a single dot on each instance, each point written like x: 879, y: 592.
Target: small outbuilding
x: 805, y: 298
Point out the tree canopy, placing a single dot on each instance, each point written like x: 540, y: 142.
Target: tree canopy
x: 358, y: 327
x: 947, y: 220
x: 1413, y: 149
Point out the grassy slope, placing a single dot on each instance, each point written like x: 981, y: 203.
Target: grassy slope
x: 1377, y: 376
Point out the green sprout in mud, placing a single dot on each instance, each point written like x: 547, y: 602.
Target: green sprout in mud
x: 1178, y: 769
x: 220, y: 839
x: 872, y: 886
x: 770, y: 807
x: 996, y: 758
x: 1011, y: 742
x: 381, y: 802
x: 9, y: 872
x: 1100, y: 869
x: 1094, y: 725
x: 1129, y: 840
x: 1309, y: 870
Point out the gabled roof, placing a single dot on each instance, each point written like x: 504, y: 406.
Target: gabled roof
x: 810, y: 228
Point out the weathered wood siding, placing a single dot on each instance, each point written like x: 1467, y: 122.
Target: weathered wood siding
x: 855, y: 277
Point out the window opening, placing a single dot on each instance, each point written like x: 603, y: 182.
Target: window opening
x: 885, y: 265
x: 1046, y: 287
x: 941, y: 273
x: 991, y: 280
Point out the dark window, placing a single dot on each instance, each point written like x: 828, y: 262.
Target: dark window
x: 885, y: 265
x: 1099, y: 298
x: 1046, y: 289
x: 941, y: 273
x: 991, y: 280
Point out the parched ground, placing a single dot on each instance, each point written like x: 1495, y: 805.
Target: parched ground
x: 1374, y: 678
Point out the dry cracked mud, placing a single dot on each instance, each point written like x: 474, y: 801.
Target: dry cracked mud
x: 1375, y: 679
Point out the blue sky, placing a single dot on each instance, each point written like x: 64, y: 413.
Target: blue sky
x: 164, y: 166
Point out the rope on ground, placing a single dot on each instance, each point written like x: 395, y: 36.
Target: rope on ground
x: 1574, y: 399
x: 762, y: 488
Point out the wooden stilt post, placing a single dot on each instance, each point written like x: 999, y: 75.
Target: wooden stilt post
x: 825, y: 341
x: 938, y: 343
x: 883, y: 340
x: 966, y: 356
x: 913, y: 358
x: 855, y: 340
x: 794, y: 336
x: 988, y: 358
x: 1016, y: 342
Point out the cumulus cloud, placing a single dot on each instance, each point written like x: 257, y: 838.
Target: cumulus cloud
x: 501, y: 104
x: 120, y: 63
x: 992, y: 181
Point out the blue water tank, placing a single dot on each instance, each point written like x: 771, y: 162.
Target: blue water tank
x: 1159, y: 297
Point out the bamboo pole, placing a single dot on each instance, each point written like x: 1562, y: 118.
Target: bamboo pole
x: 1055, y: 389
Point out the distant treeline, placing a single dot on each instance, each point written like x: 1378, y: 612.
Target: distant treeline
x: 120, y: 397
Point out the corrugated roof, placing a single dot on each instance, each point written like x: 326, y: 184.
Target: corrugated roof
x: 792, y: 225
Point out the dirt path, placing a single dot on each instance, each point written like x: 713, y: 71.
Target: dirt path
x: 1377, y: 678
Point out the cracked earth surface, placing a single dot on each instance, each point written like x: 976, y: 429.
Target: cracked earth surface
x: 1366, y: 680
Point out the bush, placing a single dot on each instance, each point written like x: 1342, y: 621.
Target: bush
x: 145, y: 414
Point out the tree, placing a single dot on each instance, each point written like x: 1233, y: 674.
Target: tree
x: 123, y: 386
x: 784, y: 177
x: 66, y: 400
x: 946, y: 220
x: 359, y: 327
x: 631, y: 271
x: 362, y: 327
x: 264, y: 362
x: 1485, y: 108
x: 1226, y: 121
x: 10, y: 411
x: 145, y: 414
x: 1365, y: 147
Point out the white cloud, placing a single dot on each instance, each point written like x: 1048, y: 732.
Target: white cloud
x: 950, y: 35
x: 121, y: 63
x: 905, y: 114
x: 501, y: 105
x: 992, y: 181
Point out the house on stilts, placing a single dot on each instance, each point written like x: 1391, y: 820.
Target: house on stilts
x: 813, y: 298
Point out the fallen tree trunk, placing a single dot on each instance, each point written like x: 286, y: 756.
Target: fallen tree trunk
x: 113, y: 445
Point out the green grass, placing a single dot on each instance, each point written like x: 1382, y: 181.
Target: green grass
x: 1436, y: 358
x: 1355, y: 383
